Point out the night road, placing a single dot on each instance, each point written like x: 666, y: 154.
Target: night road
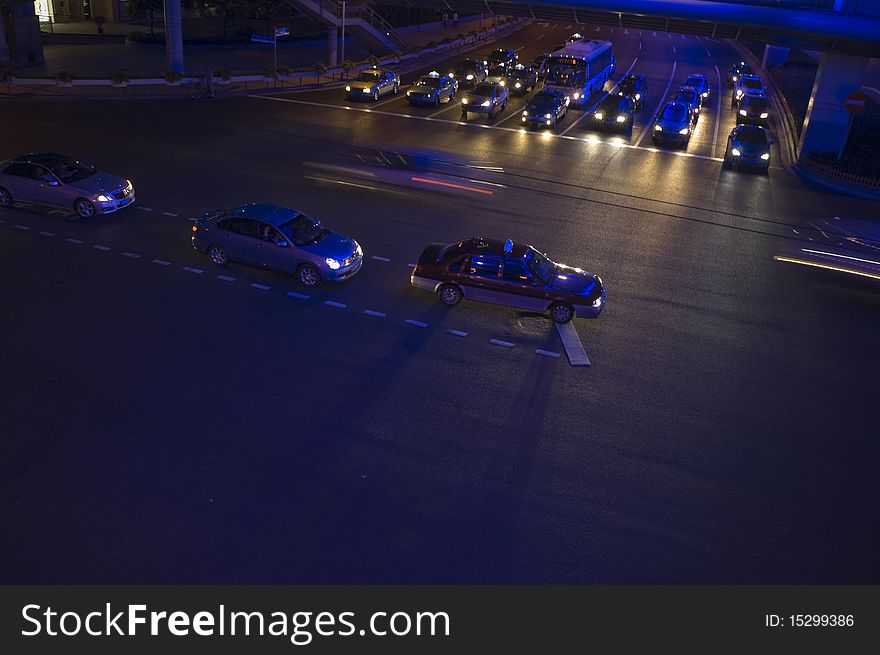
x: 170, y: 421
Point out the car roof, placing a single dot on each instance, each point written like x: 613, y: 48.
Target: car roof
x: 750, y: 76
x: 614, y: 101
x: 739, y: 129
x: 271, y: 214
x: 687, y: 88
x: 484, y: 246
x: 41, y: 157
x: 696, y: 75
x: 683, y: 105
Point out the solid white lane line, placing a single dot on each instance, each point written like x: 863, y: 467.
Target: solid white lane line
x: 503, y: 344
x: 590, y: 112
x: 650, y: 124
x: 133, y: 255
x: 22, y: 227
x: 717, y: 114
x: 169, y: 214
x: 190, y: 269
x: 48, y: 234
x: 226, y: 278
x: 161, y: 262
x: 144, y: 209
x: 381, y: 259
x: 104, y: 248
x: 420, y: 324
x: 577, y: 356
x: 74, y: 240
x: 457, y: 333
x: 261, y: 287
x: 547, y: 353
x: 337, y: 305
x: 370, y: 312
x: 294, y: 294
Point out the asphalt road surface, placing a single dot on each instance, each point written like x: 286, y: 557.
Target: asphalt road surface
x: 167, y: 421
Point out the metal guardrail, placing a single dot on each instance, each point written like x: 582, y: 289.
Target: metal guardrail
x: 833, y: 172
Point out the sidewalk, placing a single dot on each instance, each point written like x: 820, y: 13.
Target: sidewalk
x: 100, y: 60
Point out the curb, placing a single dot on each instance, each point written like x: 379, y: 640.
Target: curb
x: 829, y: 183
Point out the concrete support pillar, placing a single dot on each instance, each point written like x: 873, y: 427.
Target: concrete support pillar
x: 174, y: 36
x: 4, y: 45
x: 25, y: 43
x: 827, y: 123
x: 333, y: 46
x: 774, y: 55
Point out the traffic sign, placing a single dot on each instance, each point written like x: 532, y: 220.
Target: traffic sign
x: 281, y: 31
x: 262, y: 38
x: 856, y: 102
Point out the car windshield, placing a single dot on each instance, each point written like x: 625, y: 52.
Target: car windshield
x: 686, y: 94
x: 303, y: 230
x: 499, y: 56
x: 752, y: 83
x: 756, y: 103
x: 612, y: 104
x: 675, y: 113
x: 542, y: 103
x: 566, y: 71
x: 483, y: 90
x: 754, y: 135
x: 70, y: 170
x: 367, y: 76
x: 541, y: 267
x: 519, y: 73
x: 628, y: 85
x: 696, y: 80
x: 432, y: 82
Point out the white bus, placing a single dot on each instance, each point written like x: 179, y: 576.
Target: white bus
x: 579, y: 69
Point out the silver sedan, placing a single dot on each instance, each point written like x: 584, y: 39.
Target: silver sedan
x: 61, y: 181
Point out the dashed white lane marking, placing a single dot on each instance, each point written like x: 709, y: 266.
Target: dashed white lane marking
x: 708, y: 53
x: 48, y: 234
x: 547, y: 353
x: 539, y: 134
x: 133, y: 255
x: 577, y: 356
x: 71, y: 240
x: 370, y: 312
x: 337, y: 305
x: 381, y: 259
x: 659, y: 105
x: 104, y: 248
x: 294, y: 294
x: 420, y: 324
x: 190, y: 269
x: 674, y: 50
x: 261, y: 287
x: 717, y: 113
x: 503, y: 344
x: 161, y: 262
x: 22, y: 227
x: 169, y: 214
x: 226, y: 278
x: 457, y: 333
x: 144, y: 209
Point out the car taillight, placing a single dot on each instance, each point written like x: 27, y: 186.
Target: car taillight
x: 195, y: 228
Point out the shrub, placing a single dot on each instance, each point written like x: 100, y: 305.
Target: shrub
x: 270, y: 73
x: 224, y: 75
x: 283, y: 70
x: 64, y: 77
x: 120, y: 77
x: 172, y: 76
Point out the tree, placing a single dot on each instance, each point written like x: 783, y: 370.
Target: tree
x: 232, y: 9
x: 148, y: 6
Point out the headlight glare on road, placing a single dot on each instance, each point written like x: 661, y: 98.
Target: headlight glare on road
x: 598, y: 115
x: 765, y: 156
x: 764, y: 114
x: 332, y: 263
x: 735, y: 152
x: 366, y: 90
x: 742, y: 112
x: 621, y: 119
x: 486, y: 103
x: 102, y: 198
x: 658, y: 127
x: 684, y: 130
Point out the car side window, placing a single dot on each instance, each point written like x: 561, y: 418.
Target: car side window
x: 19, y: 170
x: 484, y: 266
x: 456, y: 265
x: 515, y: 271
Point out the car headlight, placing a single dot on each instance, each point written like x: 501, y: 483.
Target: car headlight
x: 348, y: 88
x: 358, y: 250
x: 367, y: 90
x: 765, y: 156
x: 102, y: 198
x: 734, y: 78
x: 469, y: 77
x: 763, y: 114
x: 452, y: 75
x: 464, y: 101
x: 548, y: 115
x: 598, y: 115
x: 332, y: 263
x: 525, y: 113
x: 518, y: 85
x: 658, y: 127
x: 129, y: 185
x: 739, y: 94
x: 502, y: 82
x: 577, y: 95
x: 409, y: 93
x: 597, y: 302
x: 638, y: 96
x: 742, y: 112
x: 706, y: 94
x: 486, y: 103
x: 735, y: 152
x: 684, y: 130
x: 621, y: 119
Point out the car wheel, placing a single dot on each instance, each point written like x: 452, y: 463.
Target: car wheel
x: 450, y: 294
x: 504, y: 106
x: 308, y: 275
x: 84, y: 208
x: 218, y: 255
x: 5, y: 197
x: 561, y: 312
x: 491, y: 114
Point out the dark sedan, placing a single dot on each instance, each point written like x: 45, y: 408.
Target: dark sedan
x: 468, y: 73
x: 485, y: 98
x: 736, y: 71
x: 520, y: 79
x: 674, y: 125
x: 277, y: 238
x: 689, y: 95
x: 508, y: 273
x: 615, y: 113
x: 635, y: 86
x: 547, y: 107
x: 432, y: 89
x: 754, y: 110
x: 748, y: 146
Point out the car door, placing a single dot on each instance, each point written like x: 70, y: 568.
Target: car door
x: 50, y: 191
x: 479, y: 278
x: 237, y: 239
x: 519, y: 288
x: 272, y: 250
x: 19, y: 181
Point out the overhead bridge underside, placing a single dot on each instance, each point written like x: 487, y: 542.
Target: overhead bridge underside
x: 778, y: 25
